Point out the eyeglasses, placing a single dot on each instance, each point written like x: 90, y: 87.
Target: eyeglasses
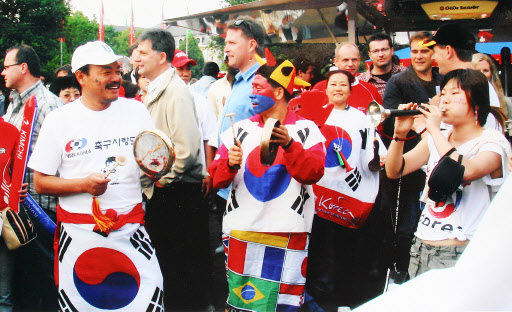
x: 377, y: 51
x: 7, y: 66
x: 247, y: 25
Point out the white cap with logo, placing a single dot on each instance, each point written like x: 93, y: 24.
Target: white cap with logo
x: 95, y: 53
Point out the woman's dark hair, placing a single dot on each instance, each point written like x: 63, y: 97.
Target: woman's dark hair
x: 61, y: 83
x: 351, y: 78
x: 130, y: 89
x: 476, y: 87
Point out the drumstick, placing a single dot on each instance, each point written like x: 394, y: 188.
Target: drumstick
x: 230, y: 115
x: 120, y: 161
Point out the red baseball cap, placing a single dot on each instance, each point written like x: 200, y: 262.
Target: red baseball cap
x: 181, y: 59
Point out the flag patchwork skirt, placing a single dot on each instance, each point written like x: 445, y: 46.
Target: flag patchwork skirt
x: 266, y: 271
x: 119, y: 272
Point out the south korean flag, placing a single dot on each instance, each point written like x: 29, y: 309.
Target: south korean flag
x: 119, y: 272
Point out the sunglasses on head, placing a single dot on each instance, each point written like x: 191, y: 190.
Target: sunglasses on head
x: 246, y: 25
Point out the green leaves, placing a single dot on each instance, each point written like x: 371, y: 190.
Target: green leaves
x: 37, y: 23
x: 194, y: 53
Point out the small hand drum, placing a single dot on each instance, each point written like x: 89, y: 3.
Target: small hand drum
x: 268, y: 151
x: 154, y: 152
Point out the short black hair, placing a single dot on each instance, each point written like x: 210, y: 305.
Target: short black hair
x: 211, y: 69
x: 61, y: 83
x: 380, y: 37
x: 302, y: 64
x: 85, y: 69
x: 161, y: 41
x: 26, y: 54
x: 66, y: 68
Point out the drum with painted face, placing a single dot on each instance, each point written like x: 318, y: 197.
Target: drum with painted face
x: 154, y: 152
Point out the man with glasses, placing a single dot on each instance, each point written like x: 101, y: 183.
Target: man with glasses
x: 21, y: 71
x: 381, y: 53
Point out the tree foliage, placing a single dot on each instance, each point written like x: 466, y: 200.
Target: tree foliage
x: 120, y: 42
x: 194, y: 53
x: 77, y: 31
x: 37, y: 23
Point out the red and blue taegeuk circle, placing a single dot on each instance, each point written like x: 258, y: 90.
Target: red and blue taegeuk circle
x: 266, y: 183
x: 106, y: 278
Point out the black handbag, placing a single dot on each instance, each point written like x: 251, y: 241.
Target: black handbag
x: 18, y: 229
x: 446, y: 177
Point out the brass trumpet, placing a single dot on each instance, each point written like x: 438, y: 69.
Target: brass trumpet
x: 376, y: 113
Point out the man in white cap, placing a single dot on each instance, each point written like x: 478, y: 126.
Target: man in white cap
x: 104, y: 257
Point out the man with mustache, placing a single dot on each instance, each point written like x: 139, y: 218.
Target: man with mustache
x: 104, y: 256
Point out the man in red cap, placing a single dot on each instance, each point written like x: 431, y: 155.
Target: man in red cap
x: 182, y: 64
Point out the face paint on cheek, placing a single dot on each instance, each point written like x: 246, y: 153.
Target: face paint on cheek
x: 262, y: 102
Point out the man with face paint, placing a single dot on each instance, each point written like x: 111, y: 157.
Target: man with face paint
x: 270, y: 208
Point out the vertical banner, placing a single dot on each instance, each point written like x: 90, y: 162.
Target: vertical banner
x: 101, y: 29
x: 21, y: 154
x: 132, y: 28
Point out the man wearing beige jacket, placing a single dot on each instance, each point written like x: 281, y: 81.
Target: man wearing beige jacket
x: 175, y: 219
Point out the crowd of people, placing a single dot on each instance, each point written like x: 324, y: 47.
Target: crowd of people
x: 281, y: 197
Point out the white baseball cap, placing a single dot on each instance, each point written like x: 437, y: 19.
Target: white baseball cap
x: 95, y: 53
